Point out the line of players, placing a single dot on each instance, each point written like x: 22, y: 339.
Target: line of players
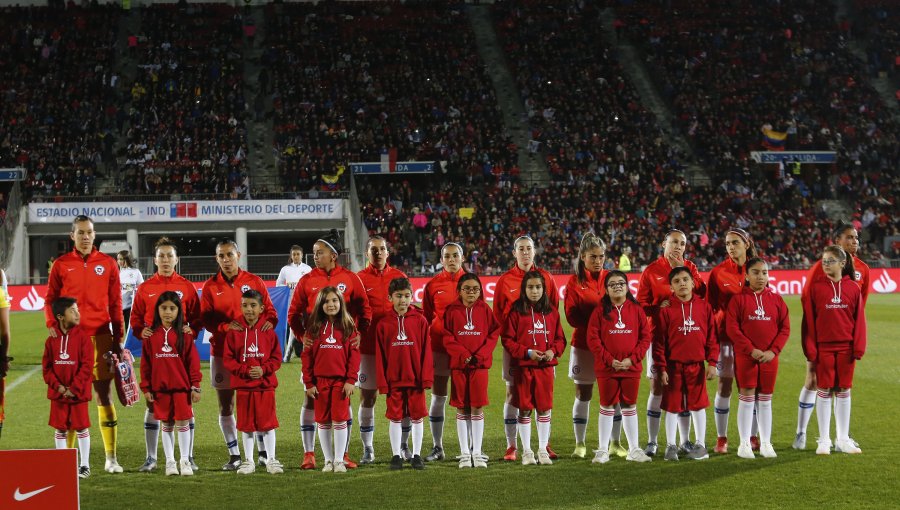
x: 84, y: 274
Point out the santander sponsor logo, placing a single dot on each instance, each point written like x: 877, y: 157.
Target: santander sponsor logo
x: 32, y: 301
x: 884, y: 284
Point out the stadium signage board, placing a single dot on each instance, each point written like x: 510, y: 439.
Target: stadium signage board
x: 394, y: 167
x: 188, y: 211
x: 805, y: 157
x: 12, y: 174
x: 39, y: 479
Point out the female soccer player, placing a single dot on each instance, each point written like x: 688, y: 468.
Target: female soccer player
x: 440, y: 291
x: 505, y: 294
x: 470, y: 339
x: 847, y: 238
x: 583, y: 293
x: 726, y: 281
x: 833, y: 339
x: 327, y: 273
x: 757, y: 321
x: 654, y: 294
x: 533, y: 337
x: 618, y: 336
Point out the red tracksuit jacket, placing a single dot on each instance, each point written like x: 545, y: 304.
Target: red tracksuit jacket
x: 440, y: 291
x: 750, y: 330
x: 673, y: 340
x: 252, y: 347
x: 308, y: 288
x: 829, y: 322
x: 94, y: 282
x: 69, y: 360
x: 477, y: 341
x: 535, y: 331
x: 163, y: 368
x: 506, y: 292
x: 147, y: 294
x: 376, y: 284
x: 608, y: 342
x: 330, y: 358
x: 654, y: 288
x: 725, y: 281
x: 404, y: 361
x: 581, y: 300
x: 220, y: 303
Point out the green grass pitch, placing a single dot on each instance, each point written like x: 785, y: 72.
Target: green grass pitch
x: 794, y: 479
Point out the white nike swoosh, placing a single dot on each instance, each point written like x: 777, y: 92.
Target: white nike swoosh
x: 19, y: 496
x: 151, y: 295
x: 315, y: 288
x: 220, y: 293
x: 513, y: 290
x: 70, y: 269
x: 659, y: 277
x: 439, y: 292
x: 367, y: 290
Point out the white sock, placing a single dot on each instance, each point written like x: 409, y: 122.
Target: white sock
x: 524, y: 429
x: 184, y: 441
x: 764, y: 417
x: 168, y: 441
x: 745, y: 416
x: 84, y: 446
x: 229, y: 432
x: 462, y: 433
x: 842, y: 415
x: 341, y: 432
x: 327, y: 441
x: 261, y: 445
x: 754, y: 425
x: 823, y: 413
x: 308, y: 429
x: 543, y: 430
x: 269, y: 441
x: 59, y: 439
x: 616, y: 433
x: 418, y: 432
x: 672, y: 429
x: 699, y: 418
x: 406, y: 427
x: 151, y: 433
x: 193, y: 427
x: 630, y: 424
x: 604, y: 426
x: 653, y: 417
x: 722, y: 407
x: 805, y: 409
x: 684, y: 426
x: 436, y: 419
x: 366, y: 424
x: 510, y: 418
x: 395, y: 430
x: 249, y: 444
x: 477, y: 433
x: 580, y: 411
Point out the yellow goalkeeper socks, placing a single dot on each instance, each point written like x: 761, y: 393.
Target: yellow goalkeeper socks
x: 108, y: 428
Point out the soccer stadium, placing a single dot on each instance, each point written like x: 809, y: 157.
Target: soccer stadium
x: 269, y: 253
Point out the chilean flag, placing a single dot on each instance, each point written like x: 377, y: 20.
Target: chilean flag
x: 183, y: 210
x: 388, y: 160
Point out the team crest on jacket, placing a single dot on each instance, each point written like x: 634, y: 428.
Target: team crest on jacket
x: 244, y: 288
x: 180, y: 294
x: 342, y: 287
x: 99, y: 270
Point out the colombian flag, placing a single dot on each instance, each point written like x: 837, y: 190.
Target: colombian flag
x: 773, y: 140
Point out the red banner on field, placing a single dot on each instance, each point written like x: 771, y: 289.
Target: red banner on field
x: 786, y: 282
x: 39, y: 479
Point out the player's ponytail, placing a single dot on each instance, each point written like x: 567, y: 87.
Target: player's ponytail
x: 589, y: 241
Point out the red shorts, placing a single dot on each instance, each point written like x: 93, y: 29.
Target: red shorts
x: 469, y: 388
x: 534, y: 388
x: 834, y: 368
x: 402, y: 402
x: 256, y: 411
x: 171, y: 406
x: 686, y: 390
x: 615, y: 390
x: 331, y: 405
x: 69, y: 415
x: 751, y: 374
